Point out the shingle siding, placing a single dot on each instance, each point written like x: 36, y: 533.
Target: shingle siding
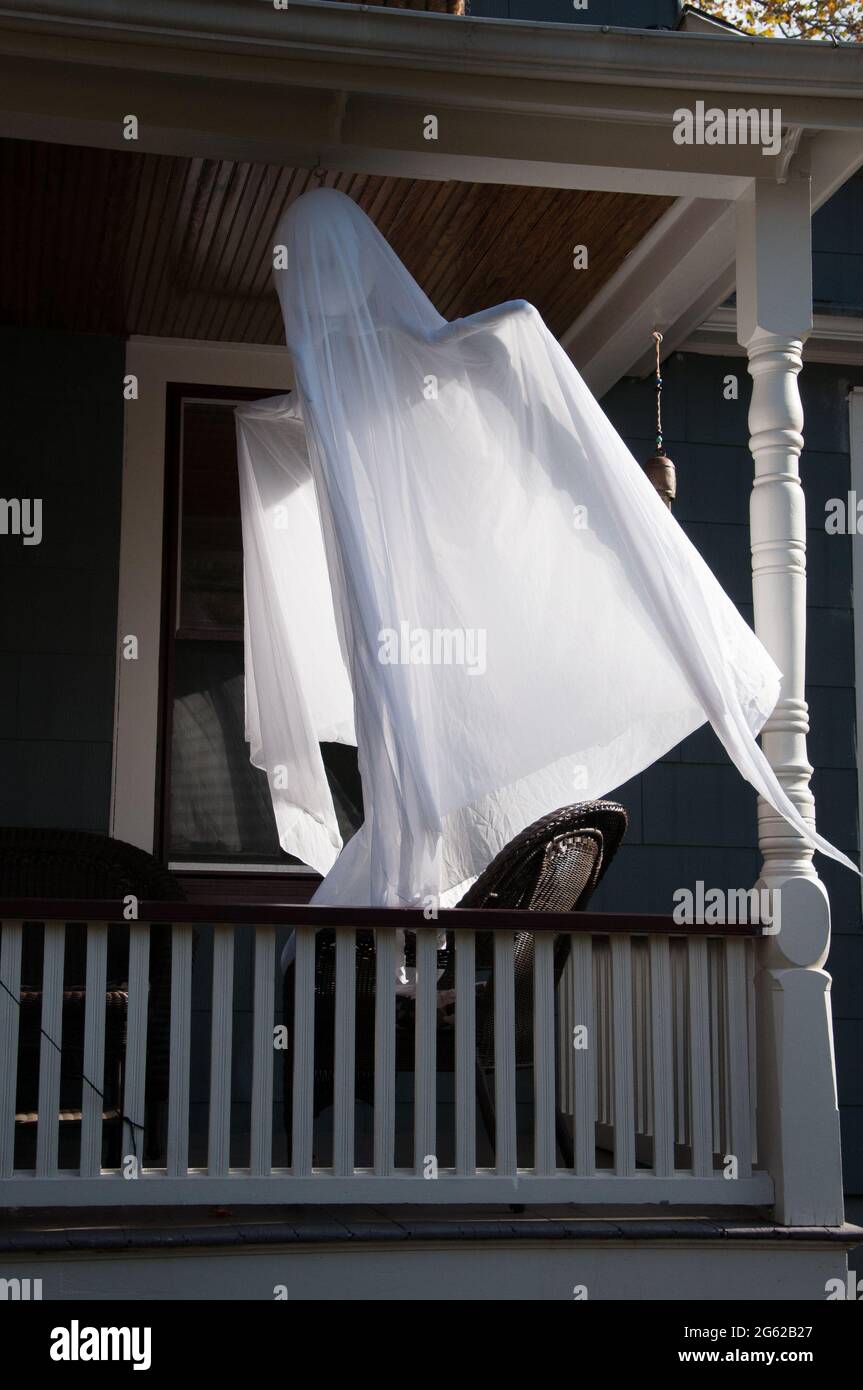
x: 625, y: 14
x: 837, y: 251
x: 61, y: 404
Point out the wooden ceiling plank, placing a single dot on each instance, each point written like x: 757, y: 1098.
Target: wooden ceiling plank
x: 167, y: 200
x: 226, y: 247
x: 208, y: 282
x: 617, y: 225
x: 498, y: 210
x: 256, y: 321
x: 259, y: 191
x: 145, y: 219
x: 161, y: 294
x: 454, y: 218
x: 190, y: 246
x: 260, y: 260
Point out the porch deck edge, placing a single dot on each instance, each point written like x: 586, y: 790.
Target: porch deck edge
x: 387, y: 1229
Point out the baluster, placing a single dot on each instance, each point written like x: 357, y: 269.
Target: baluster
x: 136, y: 1042
x: 545, y: 1144
x: 95, y: 1024
x: 180, y: 1051
x: 662, y: 1055
x: 624, y: 1092
x: 680, y: 1036
x: 303, y: 1044
x: 10, y: 1013
x: 49, y: 1056
x: 221, y: 1046
x: 739, y: 1136
x: 641, y: 1004
x: 504, y: 1054
x: 699, y: 1071
x: 584, y: 1059
x: 425, y: 1098
x: 606, y: 1113
x: 465, y: 1052
x: 752, y: 1038
x: 565, y: 1023
x: 715, y: 980
x: 261, y: 1148
x: 637, y: 1053
x: 385, y: 1051
x: 598, y: 1040
x: 345, y: 1052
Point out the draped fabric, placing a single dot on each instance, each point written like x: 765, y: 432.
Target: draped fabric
x: 451, y: 555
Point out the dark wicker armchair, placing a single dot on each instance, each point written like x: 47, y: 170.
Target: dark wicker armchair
x: 552, y: 866
x: 36, y: 863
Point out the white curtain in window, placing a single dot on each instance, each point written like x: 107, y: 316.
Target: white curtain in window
x: 470, y: 559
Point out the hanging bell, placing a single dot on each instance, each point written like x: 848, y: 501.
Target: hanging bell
x: 661, y: 472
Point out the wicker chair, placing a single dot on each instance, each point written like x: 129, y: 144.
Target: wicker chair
x: 552, y: 866
x: 37, y: 863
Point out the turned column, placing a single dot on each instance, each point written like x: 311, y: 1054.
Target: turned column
x: 798, y: 1128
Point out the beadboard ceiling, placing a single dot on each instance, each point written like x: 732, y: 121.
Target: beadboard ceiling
x: 115, y: 241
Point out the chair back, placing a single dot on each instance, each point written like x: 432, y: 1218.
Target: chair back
x: 554, y: 865
x: 37, y: 863
x: 47, y: 863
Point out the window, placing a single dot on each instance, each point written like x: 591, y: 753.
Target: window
x: 215, y: 806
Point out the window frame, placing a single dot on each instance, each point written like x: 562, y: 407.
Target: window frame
x: 177, y: 395
x: 201, y: 369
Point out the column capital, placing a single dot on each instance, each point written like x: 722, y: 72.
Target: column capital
x: 774, y: 263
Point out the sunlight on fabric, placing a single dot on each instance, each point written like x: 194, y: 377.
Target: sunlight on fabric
x: 446, y: 538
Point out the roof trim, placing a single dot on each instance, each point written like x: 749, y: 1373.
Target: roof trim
x: 430, y: 41
x: 834, y: 338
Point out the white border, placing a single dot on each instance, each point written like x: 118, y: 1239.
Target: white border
x: 156, y: 362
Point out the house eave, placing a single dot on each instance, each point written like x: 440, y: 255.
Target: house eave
x: 546, y: 105
x: 597, y: 54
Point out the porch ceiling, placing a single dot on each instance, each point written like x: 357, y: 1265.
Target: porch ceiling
x: 519, y: 106
x: 115, y: 241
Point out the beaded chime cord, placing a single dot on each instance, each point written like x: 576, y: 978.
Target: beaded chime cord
x: 657, y: 337
x: 659, y: 468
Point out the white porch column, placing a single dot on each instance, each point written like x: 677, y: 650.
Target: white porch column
x: 798, y: 1121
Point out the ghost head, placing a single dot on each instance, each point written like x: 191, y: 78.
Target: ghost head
x: 333, y: 251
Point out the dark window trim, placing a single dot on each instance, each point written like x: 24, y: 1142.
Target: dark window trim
x: 229, y: 882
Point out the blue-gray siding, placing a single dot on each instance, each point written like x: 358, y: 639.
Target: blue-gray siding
x: 631, y: 14
x: 837, y: 251
x: 61, y: 407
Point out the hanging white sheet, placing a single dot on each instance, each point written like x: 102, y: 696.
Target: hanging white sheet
x: 447, y: 542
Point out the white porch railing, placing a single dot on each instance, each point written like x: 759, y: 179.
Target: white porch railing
x: 646, y: 1047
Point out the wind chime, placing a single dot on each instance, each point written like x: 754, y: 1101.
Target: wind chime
x: 659, y: 468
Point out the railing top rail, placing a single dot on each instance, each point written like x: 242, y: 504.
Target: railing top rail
x: 360, y: 918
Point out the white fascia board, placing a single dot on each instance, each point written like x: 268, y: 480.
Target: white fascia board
x: 400, y: 38
x: 349, y: 86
